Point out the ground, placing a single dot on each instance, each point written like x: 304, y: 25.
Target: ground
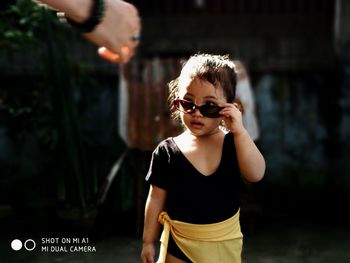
x: 281, y: 240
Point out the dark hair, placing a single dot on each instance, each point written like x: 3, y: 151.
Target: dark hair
x: 216, y: 69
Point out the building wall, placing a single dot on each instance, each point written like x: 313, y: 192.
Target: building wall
x: 268, y: 35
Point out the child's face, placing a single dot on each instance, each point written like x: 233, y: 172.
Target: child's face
x: 201, y: 92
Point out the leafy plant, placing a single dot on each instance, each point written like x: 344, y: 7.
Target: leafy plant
x: 43, y: 105
x: 18, y: 25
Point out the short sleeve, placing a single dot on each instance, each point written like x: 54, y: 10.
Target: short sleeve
x: 229, y: 153
x: 158, y: 172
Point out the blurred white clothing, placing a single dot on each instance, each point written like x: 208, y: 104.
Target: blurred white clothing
x: 245, y: 95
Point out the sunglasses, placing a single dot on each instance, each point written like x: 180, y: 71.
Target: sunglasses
x: 207, y: 110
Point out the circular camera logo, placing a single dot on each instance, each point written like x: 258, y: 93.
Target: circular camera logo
x: 16, y: 244
x: 29, y: 244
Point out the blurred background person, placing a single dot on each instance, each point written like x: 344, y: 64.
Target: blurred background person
x: 245, y: 98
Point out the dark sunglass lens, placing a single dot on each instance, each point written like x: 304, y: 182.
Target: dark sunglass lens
x: 210, y: 111
x: 188, y: 106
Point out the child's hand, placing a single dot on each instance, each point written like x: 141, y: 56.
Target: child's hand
x: 232, y: 117
x: 148, y: 253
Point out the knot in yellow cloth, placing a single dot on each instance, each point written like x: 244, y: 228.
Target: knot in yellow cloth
x: 217, y: 242
x: 163, y: 216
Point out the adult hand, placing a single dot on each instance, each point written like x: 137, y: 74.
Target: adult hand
x: 115, y: 35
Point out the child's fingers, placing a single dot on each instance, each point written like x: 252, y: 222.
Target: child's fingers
x: 150, y: 259
x: 239, y: 106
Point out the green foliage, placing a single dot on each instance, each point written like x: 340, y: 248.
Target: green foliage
x: 43, y: 105
x: 18, y: 25
x: 25, y: 101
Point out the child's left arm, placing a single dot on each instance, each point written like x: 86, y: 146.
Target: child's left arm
x: 250, y: 160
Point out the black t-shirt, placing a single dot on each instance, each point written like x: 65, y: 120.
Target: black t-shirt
x: 191, y: 196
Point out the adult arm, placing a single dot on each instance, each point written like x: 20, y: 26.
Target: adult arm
x: 114, y: 33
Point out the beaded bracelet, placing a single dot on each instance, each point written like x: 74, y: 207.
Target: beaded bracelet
x: 95, y: 17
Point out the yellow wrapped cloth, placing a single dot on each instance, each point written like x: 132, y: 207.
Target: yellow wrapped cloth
x: 203, y: 243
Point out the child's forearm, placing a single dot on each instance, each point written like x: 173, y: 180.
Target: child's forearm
x: 152, y: 227
x: 154, y: 206
x: 250, y: 160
